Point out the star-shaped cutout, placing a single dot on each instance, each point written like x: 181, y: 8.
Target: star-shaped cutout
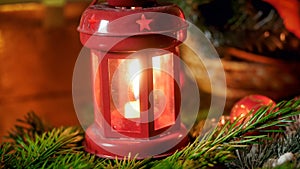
x: 92, y: 21
x: 144, y: 23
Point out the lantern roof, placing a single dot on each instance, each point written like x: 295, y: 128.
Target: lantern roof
x: 158, y: 26
x: 106, y: 20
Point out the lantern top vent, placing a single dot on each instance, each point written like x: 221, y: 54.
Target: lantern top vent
x: 131, y: 3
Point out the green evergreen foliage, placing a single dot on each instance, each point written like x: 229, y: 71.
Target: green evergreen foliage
x: 62, y: 147
x: 265, y: 154
x: 30, y: 126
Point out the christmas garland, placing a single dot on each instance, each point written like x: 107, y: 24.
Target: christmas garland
x: 269, y: 139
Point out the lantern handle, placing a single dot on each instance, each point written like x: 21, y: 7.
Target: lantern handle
x: 93, y: 2
x: 126, y: 3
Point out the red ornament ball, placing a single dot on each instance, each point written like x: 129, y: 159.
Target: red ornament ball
x: 248, y: 103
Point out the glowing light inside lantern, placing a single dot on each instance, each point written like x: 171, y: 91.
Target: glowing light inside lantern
x: 163, y: 91
x: 156, y: 64
x: 132, y: 108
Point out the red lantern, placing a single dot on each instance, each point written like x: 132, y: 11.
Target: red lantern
x: 134, y: 49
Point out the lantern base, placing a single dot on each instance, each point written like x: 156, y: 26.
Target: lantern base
x: 103, y: 147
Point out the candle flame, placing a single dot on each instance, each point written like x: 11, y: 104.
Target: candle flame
x: 156, y: 63
x: 133, y: 69
x: 132, y: 108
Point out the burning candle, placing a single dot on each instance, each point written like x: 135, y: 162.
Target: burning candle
x: 132, y: 108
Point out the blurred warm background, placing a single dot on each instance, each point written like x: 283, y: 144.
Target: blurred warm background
x: 258, y: 42
x: 39, y: 45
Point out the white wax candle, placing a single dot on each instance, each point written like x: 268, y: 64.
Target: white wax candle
x: 132, y: 110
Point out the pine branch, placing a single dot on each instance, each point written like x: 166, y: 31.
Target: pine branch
x: 62, y: 148
x: 257, y: 155
x: 33, y: 152
x: 80, y: 160
x: 6, y: 150
x: 128, y: 163
x: 30, y: 126
x: 265, y: 154
x: 217, y: 146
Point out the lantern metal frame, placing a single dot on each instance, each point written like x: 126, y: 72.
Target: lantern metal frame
x: 101, y: 138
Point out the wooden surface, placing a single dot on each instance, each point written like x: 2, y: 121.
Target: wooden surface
x: 36, y: 63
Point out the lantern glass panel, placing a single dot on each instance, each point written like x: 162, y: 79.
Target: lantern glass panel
x: 163, y: 91
x: 124, y: 78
